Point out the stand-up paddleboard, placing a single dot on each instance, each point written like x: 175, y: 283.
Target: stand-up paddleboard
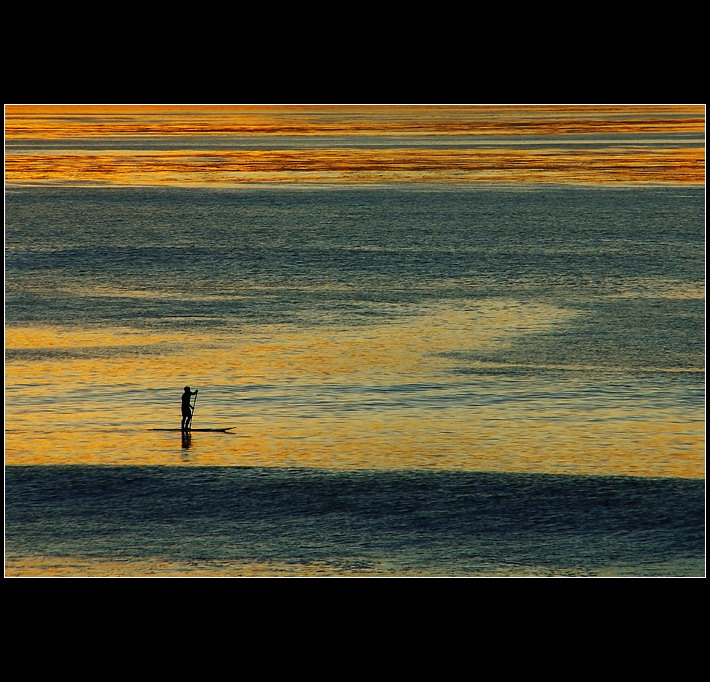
x: 225, y: 430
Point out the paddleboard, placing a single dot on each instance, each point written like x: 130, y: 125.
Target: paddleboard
x: 225, y: 430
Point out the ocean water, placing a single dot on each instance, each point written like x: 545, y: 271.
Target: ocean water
x: 423, y: 378
x: 383, y: 340
x: 216, y: 521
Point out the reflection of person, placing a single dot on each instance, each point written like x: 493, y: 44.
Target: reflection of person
x: 186, y: 407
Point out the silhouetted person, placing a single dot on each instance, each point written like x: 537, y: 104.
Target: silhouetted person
x: 187, y: 408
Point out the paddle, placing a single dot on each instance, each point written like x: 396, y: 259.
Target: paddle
x: 192, y: 411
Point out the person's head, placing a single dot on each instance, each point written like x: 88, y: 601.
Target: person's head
x: 187, y: 388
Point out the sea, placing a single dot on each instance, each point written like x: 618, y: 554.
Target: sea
x: 422, y: 377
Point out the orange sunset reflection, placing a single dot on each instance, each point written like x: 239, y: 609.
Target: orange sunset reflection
x: 371, y: 165
x: 255, y: 383
x: 428, y: 144
x: 80, y: 121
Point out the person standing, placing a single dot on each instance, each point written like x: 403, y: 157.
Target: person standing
x: 187, y: 408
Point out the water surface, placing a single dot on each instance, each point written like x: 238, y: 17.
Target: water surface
x: 416, y: 310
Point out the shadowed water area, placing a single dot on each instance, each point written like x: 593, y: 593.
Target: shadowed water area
x: 168, y: 521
